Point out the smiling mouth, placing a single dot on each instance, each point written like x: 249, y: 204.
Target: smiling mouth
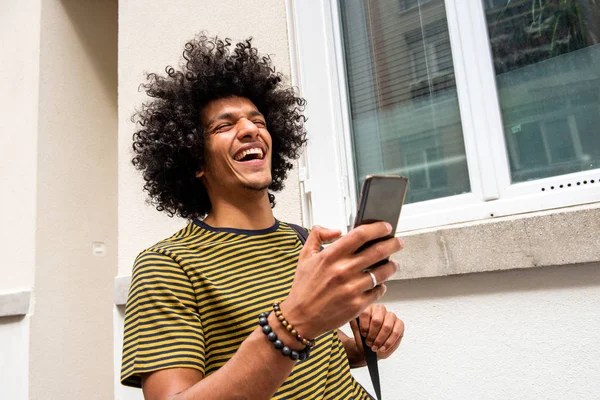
x: 249, y: 155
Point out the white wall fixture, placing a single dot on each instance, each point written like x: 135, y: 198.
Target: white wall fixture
x: 15, y: 303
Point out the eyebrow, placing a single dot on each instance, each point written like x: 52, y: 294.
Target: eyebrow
x: 229, y: 115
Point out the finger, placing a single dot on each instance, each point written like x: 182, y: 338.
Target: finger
x: 377, y: 318
x: 365, y: 320
x: 354, y: 327
x: 385, y: 331
x: 377, y: 252
x: 395, y: 337
x: 358, y: 236
x: 371, y: 296
x: 318, y: 235
x: 356, y: 333
x: 381, y: 355
x: 382, y: 274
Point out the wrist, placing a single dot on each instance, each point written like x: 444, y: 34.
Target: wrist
x: 287, y: 351
x: 283, y: 334
x: 303, y: 324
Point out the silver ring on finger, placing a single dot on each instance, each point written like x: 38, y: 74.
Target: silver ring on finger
x: 373, y: 278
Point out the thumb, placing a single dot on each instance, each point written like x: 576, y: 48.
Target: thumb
x: 318, y: 236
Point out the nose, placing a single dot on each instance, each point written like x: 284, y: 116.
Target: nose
x: 247, y: 129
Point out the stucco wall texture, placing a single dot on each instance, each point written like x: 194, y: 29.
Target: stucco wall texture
x: 71, y: 332
x: 19, y: 81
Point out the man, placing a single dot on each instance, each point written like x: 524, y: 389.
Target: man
x: 216, y: 137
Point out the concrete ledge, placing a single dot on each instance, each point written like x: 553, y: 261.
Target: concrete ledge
x: 565, y: 236
x: 14, y: 303
x: 556, y: 237
x: 122, y: 284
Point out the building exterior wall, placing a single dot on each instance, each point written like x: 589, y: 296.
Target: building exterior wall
x: 514, y: 333
x: 19, y: 79
x: 71, y: 334
x: 58, y: 173
x: 519, y: 334
x: 18, y: 140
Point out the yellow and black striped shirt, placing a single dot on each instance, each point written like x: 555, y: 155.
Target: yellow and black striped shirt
x: 196, y: 296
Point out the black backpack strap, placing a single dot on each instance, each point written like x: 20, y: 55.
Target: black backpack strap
x: 370, y: 356
x: 302, y: 232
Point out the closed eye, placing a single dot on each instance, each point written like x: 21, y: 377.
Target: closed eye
x: 222, y: 128
x: 260, y: 123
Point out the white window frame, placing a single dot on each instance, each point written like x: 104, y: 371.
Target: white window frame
x: 326, y: 169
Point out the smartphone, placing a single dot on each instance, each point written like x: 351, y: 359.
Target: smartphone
x: 381, y: 199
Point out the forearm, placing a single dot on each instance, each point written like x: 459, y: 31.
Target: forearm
x: 256, y: 370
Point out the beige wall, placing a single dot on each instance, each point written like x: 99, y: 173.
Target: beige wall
x: 19, y: 78
x: 152, y: 37
x: 71, y: 332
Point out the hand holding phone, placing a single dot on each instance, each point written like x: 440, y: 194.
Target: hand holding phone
x: 326, y: 281
x: 381, y: 199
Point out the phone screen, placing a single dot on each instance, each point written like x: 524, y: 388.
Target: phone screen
x: 381, y: 199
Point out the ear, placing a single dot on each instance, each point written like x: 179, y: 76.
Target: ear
x: 199, y: 174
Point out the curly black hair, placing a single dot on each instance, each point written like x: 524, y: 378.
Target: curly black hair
x: 169, y: 141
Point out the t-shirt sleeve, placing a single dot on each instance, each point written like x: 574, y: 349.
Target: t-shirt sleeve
x: 162, y: 324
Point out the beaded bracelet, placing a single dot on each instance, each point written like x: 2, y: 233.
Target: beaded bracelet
x: 289, y: 327
x: 272, y: 336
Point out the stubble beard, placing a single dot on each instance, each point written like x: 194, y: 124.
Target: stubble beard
x: 258, y: 187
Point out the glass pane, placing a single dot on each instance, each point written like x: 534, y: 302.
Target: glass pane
x: 403, y: 102
x: 547, y: 62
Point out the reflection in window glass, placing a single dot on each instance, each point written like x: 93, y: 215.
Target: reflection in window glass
x: 403, y: 101
x: 547, y: 62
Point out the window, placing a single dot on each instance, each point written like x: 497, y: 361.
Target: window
x: 490, y: 108
x: 403, y: 96
x: 547, y: 59
x: 407, y: 5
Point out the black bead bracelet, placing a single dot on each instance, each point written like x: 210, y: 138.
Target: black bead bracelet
x: 279, y: 345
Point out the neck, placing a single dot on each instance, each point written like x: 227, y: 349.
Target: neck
x: 251, y: 211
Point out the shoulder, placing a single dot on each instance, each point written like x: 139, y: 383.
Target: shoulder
x: 292, y: 226
x: 298, y: 230
x: 172, y: 248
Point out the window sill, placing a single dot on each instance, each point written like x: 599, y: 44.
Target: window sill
x: 562, y: 236
x: 14, y: 303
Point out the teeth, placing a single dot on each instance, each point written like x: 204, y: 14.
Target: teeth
x: 244, y: 153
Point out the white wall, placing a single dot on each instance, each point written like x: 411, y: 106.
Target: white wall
x: 19, y: 79
x: 14, y: 358
x: 151, y: 36
x: 521, y: 334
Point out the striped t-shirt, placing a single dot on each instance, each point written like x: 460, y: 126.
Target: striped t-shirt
x: 196, y: 296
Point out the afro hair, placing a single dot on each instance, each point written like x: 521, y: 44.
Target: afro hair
x: 168, y: 144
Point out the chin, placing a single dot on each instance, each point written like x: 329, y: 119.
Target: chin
x: 258, y: 185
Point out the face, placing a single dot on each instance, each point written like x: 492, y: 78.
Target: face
x: 238, y: 146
